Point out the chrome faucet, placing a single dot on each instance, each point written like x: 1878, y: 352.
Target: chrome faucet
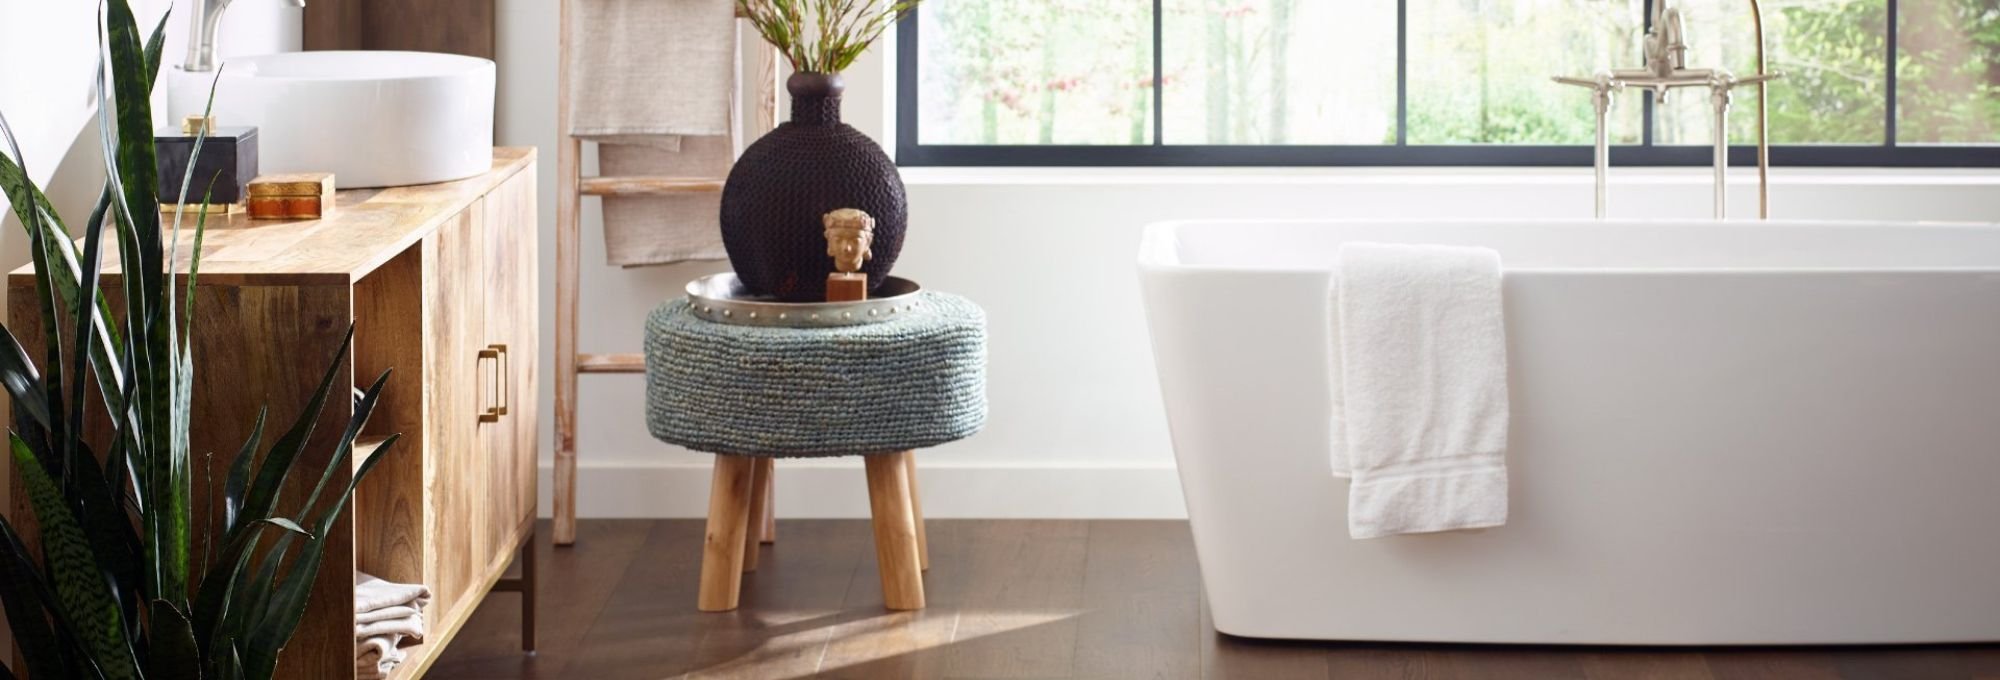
x: 1666, y: 69
x: 206, y: 17
x: 1666, y: 58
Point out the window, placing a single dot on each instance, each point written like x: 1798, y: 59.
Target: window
x: 1432, y: 82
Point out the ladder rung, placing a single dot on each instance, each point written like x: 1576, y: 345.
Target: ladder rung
x: 643, y: 184
x: 611, y: 363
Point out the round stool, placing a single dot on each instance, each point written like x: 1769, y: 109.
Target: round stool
x: 752, y: 394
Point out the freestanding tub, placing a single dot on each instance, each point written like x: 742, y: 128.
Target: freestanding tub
x: 1722, y: 433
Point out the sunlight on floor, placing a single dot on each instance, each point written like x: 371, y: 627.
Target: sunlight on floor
x: 851, y: 640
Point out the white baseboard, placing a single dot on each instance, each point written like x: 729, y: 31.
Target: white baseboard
x: 837, y: 489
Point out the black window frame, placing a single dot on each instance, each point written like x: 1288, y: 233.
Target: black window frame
x: 1888, y: 154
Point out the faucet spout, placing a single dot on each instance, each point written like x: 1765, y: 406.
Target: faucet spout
x: 205, y: 18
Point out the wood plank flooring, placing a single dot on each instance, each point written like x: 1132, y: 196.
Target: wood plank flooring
x: 1011, y: 599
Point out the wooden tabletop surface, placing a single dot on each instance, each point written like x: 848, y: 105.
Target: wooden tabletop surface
x: 367, y: 227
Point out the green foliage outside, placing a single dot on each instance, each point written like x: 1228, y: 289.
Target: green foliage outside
x: 1321, y: 71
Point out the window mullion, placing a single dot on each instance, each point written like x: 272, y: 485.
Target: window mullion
x: 1402, y: 72
x: 1646, y: 100
x: 1889, y: 65
x: 1159, y: 75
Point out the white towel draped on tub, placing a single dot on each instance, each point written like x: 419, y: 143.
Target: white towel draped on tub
x: 1419, y: 384
x: 651, y: 82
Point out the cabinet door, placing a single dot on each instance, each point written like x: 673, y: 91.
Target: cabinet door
x: 458, y: 391
x: 511, y: 323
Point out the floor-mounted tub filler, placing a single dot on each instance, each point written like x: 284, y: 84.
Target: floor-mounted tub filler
x: 1721, y: 433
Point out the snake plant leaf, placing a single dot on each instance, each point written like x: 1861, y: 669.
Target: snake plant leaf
x: 194, y: 255
x: 86, y: 598
x: 88, y: 325
x: 125, y: 130
x: 37, y: 215
x: 252, y: 599
x: 43, y: 225
x: 74, y: 655
x: 34, y: 220
x: 213, y: 601
x: 42, y: 652
x: 344, y: 447
x: 277, y: 462
x: 134, y: 151
x: 266, y: 594
x: 287, y: 607
x: 287, y: 525
x: 231, y: 665
x: 247, y: 607
x: 23, y: 383
x: 172, y: 653
x: 25, y: 197
x: 98, y: 494
x: 154, y: 46
x: 215, y: 615
x: 239, y: 474
x: 112, y: 538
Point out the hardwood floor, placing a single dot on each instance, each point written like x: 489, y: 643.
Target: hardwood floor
x: 1010, y: 599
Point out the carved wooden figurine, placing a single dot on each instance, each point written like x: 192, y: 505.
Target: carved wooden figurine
x: 850, y: 237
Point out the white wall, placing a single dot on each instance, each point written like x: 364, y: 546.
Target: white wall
x: 1077, y: 427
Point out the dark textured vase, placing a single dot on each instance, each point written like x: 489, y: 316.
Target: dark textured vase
x: 786, y: 181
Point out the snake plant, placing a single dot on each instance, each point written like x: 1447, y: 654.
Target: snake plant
x: 116, y: 593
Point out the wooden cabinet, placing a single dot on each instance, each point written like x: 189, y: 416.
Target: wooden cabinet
x: 439, y: 282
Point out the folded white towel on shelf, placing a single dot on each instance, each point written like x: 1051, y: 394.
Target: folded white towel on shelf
x: 409, y: 627
x: 377, y: 658
x: 371, y: 593
x: 1419, y: 385
x: 385, y: 614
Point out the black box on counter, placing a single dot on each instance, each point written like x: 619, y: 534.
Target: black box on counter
x: 228, y: 156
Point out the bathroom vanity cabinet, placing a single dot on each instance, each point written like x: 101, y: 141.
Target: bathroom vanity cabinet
x: 439, y: 282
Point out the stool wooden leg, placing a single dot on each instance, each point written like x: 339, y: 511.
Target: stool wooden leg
x: 895, y: 531
x: 728, y: 521
x: 771, y: 504
x: 760, y: 488
x: 917, y: 510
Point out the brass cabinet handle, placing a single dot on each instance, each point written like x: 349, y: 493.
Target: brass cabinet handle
x: 492, y: 413
x: 506, y: 369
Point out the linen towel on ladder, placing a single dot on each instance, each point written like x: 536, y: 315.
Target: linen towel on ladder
x: 1419, y: 386
x: 652, y: 83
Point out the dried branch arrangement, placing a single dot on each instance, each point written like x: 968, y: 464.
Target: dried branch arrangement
x: 823, y: 36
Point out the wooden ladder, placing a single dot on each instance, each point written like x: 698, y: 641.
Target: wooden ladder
x: 571, y: 187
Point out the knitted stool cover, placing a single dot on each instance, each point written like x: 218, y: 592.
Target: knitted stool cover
x: 914, y: 381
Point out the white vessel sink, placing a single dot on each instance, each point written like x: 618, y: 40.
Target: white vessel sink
x: 373, y: 119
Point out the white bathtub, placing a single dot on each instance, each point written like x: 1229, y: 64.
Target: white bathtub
x: 1722, y: 433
